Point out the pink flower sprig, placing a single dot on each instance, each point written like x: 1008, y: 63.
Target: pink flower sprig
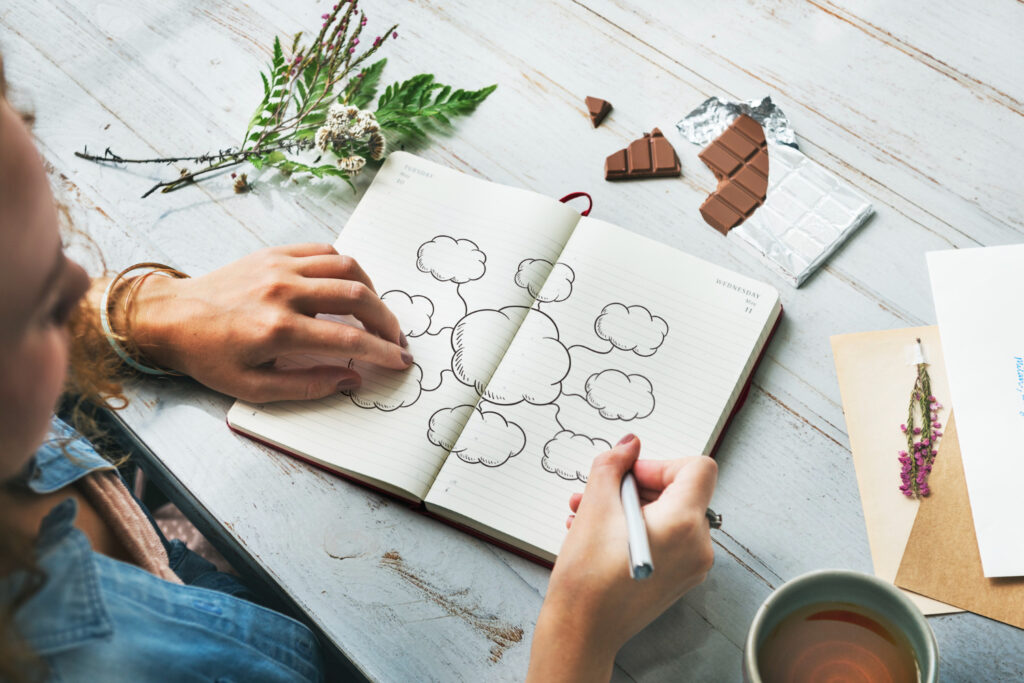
x: 922, y: 433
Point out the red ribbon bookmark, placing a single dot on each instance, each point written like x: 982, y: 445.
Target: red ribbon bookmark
x: 576, y: 195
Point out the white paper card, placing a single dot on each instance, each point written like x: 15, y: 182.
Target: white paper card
x: 977, y: 296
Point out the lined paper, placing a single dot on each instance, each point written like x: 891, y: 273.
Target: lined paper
x: 674, y: 392
x: 476, y: 234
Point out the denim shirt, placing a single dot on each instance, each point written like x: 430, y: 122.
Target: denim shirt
x: 99, y: 619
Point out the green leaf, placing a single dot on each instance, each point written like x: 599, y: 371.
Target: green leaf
x: 273, y: 158
x: 404, y: 105
x: 360, y: 91
x: 256, y: 161
x: 266, y: 86
x: 315, y: 118
x: 278, y: 54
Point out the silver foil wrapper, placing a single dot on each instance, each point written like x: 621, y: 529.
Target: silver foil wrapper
x: 808, y: 211
x: 713, y: 116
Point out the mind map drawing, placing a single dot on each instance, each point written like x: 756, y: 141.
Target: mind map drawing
x: 613, y: 393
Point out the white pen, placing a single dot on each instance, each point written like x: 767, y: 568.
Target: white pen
x: 640, y: 563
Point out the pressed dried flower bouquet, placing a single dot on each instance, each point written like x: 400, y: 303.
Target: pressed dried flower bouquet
x: 314, y: 118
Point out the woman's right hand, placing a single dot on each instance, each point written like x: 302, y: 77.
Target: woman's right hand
x: 593, y: 605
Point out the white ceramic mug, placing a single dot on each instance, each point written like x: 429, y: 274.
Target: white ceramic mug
x: 843, y: 586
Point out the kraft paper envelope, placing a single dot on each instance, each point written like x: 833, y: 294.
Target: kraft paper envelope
x: 876, y: 375
x: 942, y: 558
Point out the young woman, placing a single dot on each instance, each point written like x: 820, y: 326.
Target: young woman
x: 87, y: 589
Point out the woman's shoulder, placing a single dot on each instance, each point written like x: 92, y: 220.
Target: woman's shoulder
x: 64, y: 457
x: 95, y: 618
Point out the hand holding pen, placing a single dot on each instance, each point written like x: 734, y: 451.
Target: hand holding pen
x: 593, y: 606
x: 641, y: 564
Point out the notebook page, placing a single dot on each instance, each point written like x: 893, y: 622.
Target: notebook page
x: 439, y: 245
x: 638, y: 338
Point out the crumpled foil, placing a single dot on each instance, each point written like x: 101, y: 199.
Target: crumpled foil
x: 713, y: 116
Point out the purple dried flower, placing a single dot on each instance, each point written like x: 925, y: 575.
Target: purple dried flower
x: 394, y: 34
x: 355, y: 41
x: 903, y: 428
x: 325, y: 16
x: 917, y: 430
x: 351, y: 50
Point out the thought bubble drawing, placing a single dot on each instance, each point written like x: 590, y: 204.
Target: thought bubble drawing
x: 631, y: 328
x: 451, y: 260
x: 386, y: 389
x: 488, y: 438
x: 541, y: 361
x: 544, y: 282
x: 618, y: 396
x: 446, y: 424
x: 413, y: 311
x: 569, y: 455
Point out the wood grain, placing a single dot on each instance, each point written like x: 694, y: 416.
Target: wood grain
x: 917, y: 105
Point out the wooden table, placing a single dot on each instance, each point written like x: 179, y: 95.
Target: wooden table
x: 918, y: 104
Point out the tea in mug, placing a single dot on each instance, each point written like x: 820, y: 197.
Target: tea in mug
x: 836, y: 641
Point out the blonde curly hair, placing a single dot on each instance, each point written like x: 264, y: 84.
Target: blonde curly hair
x: 93, y: 382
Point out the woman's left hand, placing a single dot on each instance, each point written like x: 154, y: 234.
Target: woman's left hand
x: 226, y: 329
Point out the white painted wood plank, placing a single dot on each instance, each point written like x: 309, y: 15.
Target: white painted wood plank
x: 933, y: 139
x: 934, y: 33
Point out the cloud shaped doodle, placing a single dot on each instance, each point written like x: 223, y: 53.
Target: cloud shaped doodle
x: 619, y: 396
x: 569, y: 455
x: 451, y: 260
x: 386, y: 389
x: 446, y: 424
x: 544, y: 282
x: 413, y: 311
x: 542, y: 361
x: 631, y: 328
x: 488, y: 438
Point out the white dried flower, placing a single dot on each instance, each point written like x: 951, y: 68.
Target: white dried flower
x: 339, y: 116
x: 324, y: 135
x: 376, y: 146
x: 352, y: 164
x: 368, y: 122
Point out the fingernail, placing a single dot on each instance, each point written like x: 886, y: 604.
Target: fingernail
x: 403, y: 341
x: 348, y: 384
x: 626, y: 439
x: 406, y: 357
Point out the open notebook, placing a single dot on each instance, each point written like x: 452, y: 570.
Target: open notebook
x: 540, y: 337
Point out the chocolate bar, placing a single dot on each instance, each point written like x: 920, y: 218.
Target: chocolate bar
x: 739, y: 159
x: 649, y: 157
x: 598, y: 109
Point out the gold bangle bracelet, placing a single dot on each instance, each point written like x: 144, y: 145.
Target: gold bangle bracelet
x: 115, y: 340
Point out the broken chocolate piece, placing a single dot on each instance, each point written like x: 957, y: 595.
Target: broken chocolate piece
x: 598, y: 109
x: 652, y: 156
x: 739, y: 159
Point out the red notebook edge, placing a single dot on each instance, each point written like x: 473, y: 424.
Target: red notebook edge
x: 420, y: 507
x: 745, y: 392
